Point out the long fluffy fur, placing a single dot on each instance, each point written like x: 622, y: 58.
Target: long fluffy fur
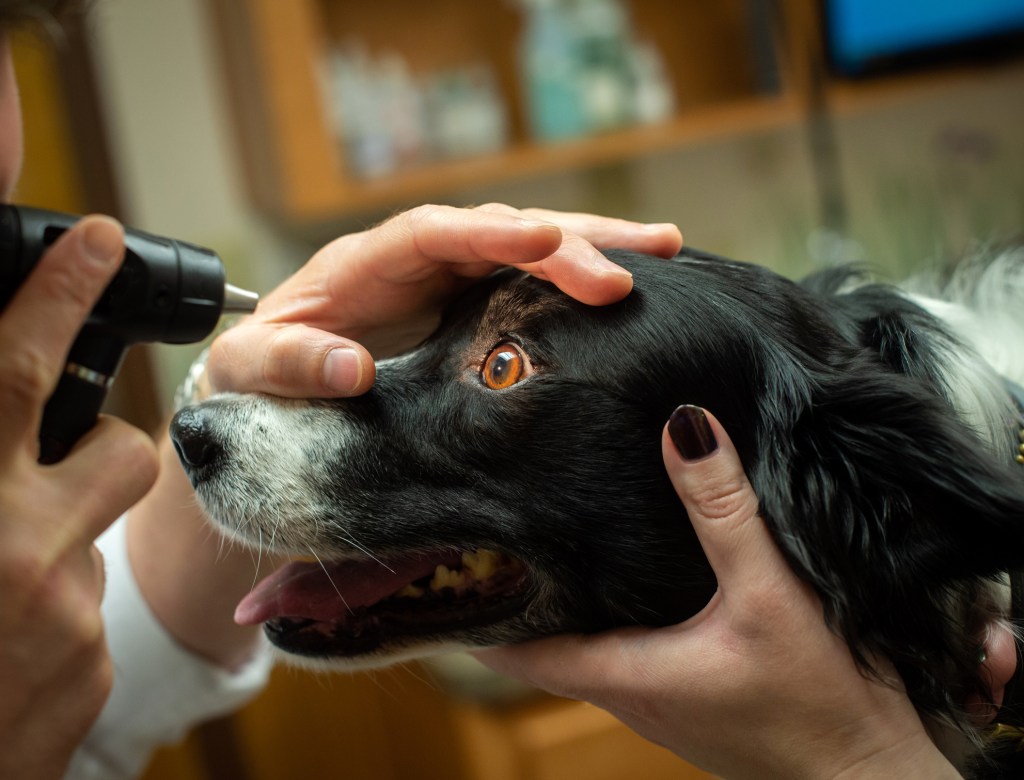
x: 872, y: 421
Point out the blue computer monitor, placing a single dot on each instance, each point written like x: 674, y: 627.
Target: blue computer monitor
x: 870, y: 36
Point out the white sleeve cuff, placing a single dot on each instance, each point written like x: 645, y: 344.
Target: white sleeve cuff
x: 160, y: 688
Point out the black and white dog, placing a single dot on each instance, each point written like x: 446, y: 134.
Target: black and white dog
x: 504, y: 479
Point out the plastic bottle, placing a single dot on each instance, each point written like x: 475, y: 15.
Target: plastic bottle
x: 606, y: 77
x: 550, y: 69
x: 653, y: 99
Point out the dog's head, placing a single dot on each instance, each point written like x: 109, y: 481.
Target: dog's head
x: 504, y: 480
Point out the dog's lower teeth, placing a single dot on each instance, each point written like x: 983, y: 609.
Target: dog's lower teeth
x: 446, y: 578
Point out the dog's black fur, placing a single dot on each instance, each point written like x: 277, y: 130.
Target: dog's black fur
x: 844, y: 401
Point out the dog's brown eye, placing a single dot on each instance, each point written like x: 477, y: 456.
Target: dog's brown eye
x: 504, y: 366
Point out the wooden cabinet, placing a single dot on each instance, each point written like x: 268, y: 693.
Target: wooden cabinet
x: 728, y: 69
x: 400, y: 724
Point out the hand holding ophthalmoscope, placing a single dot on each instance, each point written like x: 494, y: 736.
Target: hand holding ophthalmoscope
x: 165, y: 290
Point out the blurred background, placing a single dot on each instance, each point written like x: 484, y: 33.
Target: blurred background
x: 792, y: 133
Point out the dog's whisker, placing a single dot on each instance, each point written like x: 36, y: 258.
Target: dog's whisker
x: 259, y: 560
x: 366, y: 552
x: 322, y: 566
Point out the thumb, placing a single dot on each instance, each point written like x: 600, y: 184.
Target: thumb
x: 707, y: 474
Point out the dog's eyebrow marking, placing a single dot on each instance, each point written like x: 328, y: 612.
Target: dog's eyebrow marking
x: 515, y: 308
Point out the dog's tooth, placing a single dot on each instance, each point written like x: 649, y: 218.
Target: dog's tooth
x: 446, y: 578
x: 481, y: 564
x: 411, y: 591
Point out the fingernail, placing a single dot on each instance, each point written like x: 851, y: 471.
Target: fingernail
x: 102, y: 240
x: 342, y: 370
x: 598, y: 263
x: 690, y: 431
x: 540, y: 225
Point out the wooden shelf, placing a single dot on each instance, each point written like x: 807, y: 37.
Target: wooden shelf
x: 274, y: 54
x: 848, y: 97
x: 525, y: 160
x: 297, y: 172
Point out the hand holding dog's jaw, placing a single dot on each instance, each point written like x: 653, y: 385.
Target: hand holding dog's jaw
x: 753, y: 686
x: 381, y: 285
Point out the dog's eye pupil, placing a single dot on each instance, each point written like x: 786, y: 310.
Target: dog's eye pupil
x: 503, y: 367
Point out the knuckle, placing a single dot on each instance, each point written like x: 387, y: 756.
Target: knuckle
x: 229, y: 362
x: 77, y: 285
x: 28, y: 376
x: 277, y: 360
x: 290, y: 360
x: 426, y: 214
x: 88, y: 628
x: 218, y: 359
x: 415, y: 227
x: 728, y: 497
x: 497, y: 208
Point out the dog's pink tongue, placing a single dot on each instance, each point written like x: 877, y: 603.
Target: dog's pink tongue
x: 329, y: 591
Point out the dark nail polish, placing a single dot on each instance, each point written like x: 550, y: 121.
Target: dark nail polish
x: 690, y: 431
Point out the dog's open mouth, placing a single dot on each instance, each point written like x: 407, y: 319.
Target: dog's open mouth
x: 352, y: 607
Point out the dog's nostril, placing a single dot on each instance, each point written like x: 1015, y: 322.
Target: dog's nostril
x: 192, y: 439
x: 195, y: 452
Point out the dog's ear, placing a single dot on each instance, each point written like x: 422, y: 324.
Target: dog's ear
x: 884, y: 429
x: 897, y: 474
x: 887, y: 504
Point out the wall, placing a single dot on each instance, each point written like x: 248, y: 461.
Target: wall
x: 173, y: 149
x: 922, y: 177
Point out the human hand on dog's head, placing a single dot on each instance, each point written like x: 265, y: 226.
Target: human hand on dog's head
x: 384, y: 287
x: 755, y: 685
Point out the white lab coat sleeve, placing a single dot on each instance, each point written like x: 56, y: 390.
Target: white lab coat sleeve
x: 160, y: 688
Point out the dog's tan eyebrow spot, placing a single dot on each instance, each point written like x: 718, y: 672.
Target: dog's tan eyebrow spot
x: 516, y: 308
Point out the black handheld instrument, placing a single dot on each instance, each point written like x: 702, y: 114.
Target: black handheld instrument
x: 166, y: 290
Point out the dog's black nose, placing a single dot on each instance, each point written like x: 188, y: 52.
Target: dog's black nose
x: 193, y: 438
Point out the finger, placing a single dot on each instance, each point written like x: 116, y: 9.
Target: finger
x: 413, y: 242
x: 291, y: 361
x: 578, y: 268
x: 660, y: 239
x: 498, y: 235
x: 583, y: 273
x: 709, y: 478
x: 105, y: 474
x: 42, y: 319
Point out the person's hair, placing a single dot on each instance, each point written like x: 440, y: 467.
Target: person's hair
x: 38, y: 12
x: 45, y: 17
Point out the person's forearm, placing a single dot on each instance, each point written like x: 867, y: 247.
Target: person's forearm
x: 190, y: 576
